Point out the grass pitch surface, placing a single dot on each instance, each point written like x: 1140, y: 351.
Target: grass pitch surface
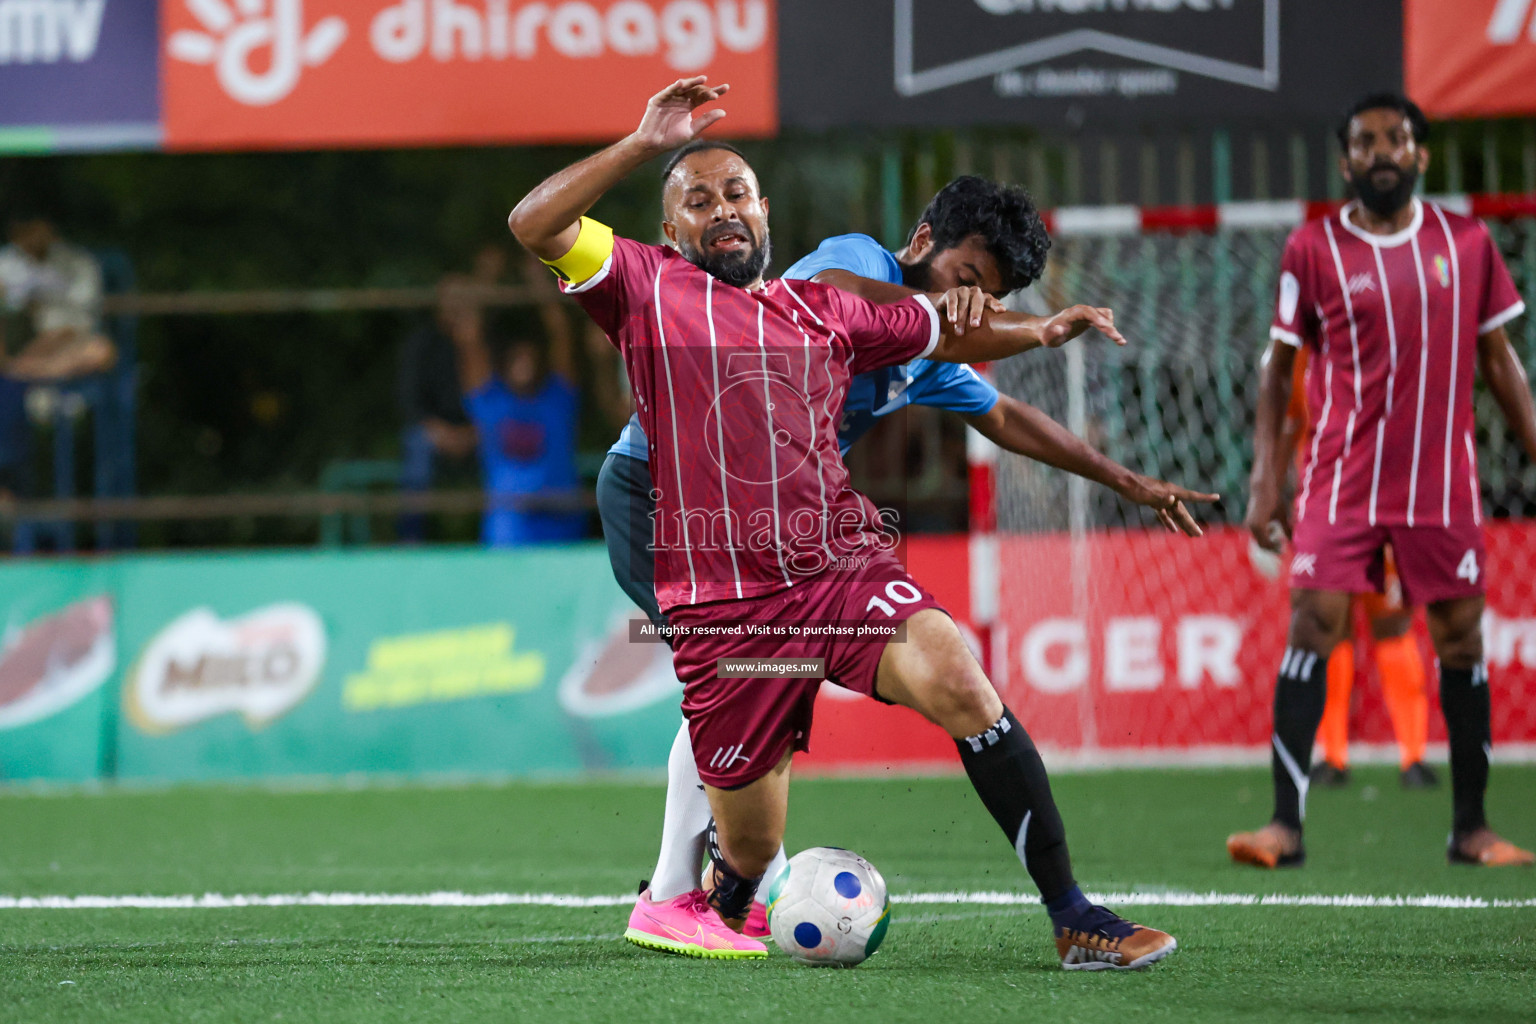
x: 1150, y: 833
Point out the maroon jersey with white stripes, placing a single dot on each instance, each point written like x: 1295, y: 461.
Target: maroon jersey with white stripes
x: 1393, y: 323
x: 740, y: 393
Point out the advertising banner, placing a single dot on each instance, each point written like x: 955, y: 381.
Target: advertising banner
x: 78, y: 74
x: 1120, y: 647
x: 1071, y: 64
x: 302, y: 663
x: 387, y: 662
x: 1471, y: 58
x: 326, y: 73
x: 58, y: 655
x: 1133, y: 646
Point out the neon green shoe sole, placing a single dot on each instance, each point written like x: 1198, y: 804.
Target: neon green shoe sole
x: 661, y: 945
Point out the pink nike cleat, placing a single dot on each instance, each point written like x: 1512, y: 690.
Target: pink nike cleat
x: 688, y: 925
x: 757, y: 923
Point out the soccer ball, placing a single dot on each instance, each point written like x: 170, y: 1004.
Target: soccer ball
x: 828, y: 908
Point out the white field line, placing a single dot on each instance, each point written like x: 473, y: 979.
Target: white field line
x: 520, y: 940
x: 218, y: 901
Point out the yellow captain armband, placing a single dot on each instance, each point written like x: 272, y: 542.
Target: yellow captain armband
x: 594, y: 244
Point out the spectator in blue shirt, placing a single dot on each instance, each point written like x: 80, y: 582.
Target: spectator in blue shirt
x: 525, y: 416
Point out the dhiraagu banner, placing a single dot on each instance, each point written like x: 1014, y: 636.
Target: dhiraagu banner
x: 311, y: 663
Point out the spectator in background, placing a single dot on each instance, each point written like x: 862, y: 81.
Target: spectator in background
x: 526, y: 419
x: 437, y: 430
x: 50, y: 292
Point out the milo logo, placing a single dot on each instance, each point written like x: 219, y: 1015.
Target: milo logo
x: 260, y: 665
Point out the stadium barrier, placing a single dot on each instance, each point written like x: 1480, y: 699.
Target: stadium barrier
x: 1131, y: 646
x: 303, y: 663
x: 519, y: 663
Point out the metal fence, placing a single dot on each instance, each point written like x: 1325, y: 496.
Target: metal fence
x: 1178, y: 402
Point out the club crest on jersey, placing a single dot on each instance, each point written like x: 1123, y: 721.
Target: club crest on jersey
x: 1362, y: 282
x: 1443, y: 271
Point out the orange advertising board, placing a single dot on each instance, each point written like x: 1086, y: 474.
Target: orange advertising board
x: 1471, y: 58
x: 268, y: 74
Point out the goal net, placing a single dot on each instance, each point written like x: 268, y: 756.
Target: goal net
x: 1124, y: 643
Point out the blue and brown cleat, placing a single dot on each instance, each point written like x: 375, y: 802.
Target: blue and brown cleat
x: 1104, y: 941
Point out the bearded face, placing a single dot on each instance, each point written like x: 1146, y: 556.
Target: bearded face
x: 717, y: 217
x: 1386, y: 187
x: 1383, y: 160
x: 729, y: 252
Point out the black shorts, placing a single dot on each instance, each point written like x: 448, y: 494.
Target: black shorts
x: 624, y: 505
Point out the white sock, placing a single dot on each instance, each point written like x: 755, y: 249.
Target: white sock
x: 774, y: 867
x: 683, y: 825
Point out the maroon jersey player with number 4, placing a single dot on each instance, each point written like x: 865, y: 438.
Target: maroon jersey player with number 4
x: 1400, y: 302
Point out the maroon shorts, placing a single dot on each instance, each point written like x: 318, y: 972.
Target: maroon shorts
x: 1434, y: 563
x: 741, y: 728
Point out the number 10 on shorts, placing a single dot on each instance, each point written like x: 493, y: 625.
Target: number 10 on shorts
x: 903, y: 592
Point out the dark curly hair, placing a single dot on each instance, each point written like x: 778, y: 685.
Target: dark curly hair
x: 1417, y: 122
x: 1003, y: 216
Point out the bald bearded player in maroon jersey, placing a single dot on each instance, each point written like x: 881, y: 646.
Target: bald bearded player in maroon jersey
x: 1399, y: 301
x: 739, y: 385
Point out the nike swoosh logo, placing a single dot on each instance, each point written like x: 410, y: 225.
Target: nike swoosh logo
x: 696, y: 935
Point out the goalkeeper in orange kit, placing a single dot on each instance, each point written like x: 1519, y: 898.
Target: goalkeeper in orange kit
x: 1398, y: 660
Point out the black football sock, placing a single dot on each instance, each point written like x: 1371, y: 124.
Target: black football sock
x: 1464, y: 699
x: 1300, y: 692
x: 1006, y: 770
x: 732, y: 893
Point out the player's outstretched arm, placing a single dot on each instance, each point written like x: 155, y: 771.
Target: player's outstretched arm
x: 1265, y: 503
x: 547, y: 219
x: 1021, y: 428
x: 970, y: 332
x: 1506, y: 378
x: 970, y: 300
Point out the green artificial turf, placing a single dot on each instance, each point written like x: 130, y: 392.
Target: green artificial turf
x: 1142, y: 831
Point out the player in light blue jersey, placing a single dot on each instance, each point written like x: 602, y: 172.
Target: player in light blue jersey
x: 975, y: 233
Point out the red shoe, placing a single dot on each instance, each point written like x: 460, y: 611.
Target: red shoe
x: 757, y: 923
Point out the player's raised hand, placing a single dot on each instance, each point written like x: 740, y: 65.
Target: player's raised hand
x: 963, y: 306
x: 1170, y: 502
x: 669, y: 121
x: 1071, y: 322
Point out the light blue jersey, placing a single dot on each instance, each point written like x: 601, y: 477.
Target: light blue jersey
x: 952, y: 386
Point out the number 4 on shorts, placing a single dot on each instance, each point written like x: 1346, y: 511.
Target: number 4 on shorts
x: 1467, y: 570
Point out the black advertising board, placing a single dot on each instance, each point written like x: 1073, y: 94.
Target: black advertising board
x: 1074, y: 64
